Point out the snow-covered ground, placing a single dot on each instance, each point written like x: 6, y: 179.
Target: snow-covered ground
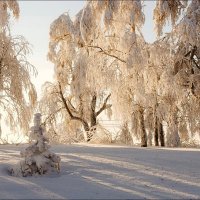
x: 107, y: 172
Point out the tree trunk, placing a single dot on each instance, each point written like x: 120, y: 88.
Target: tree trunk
x: 125, y: 134
x: 156, y: 132
x: 142, y: 129
x: 161, y: 134
x: 93, y: 123
x: 86, y: 126
x: 93, y: 120
x: 93, y: 117
x: 87, y: 129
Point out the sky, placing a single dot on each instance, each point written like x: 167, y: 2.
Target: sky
x: 34, y: 23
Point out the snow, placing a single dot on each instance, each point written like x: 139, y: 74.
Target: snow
x: 107, y: 172
x: 37, y: 157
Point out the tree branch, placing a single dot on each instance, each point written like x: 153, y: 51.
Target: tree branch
x: 106, y: 53
x: 72, y: 107
x: 196, y: 63
x: 67, y: 107
x: 51, y: 115
x: 93, y: 102
x: 104, y: 106
x: 81, y: 106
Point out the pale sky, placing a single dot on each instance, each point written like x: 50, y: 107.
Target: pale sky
x: 34, y: 22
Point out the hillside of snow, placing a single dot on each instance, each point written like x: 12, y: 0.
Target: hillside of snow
x: 107, y: 172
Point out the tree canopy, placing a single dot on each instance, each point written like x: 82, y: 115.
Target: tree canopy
x: 102, y: 55
x: 17, y: 93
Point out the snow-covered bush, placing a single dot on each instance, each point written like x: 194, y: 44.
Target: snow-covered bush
x: 37, y: 157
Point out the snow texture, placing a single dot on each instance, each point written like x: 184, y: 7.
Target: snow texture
x: 37, y: 157
x: 107, y: 172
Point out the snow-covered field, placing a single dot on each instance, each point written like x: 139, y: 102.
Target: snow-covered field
x: 107, y: 172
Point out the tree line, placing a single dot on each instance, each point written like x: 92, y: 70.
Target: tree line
x: 103, y: 64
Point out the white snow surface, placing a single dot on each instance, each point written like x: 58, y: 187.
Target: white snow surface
x: 107, y: 172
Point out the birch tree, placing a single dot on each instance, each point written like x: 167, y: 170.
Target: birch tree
x: 76, y: 77
x: 103, y: 51
x: 151, y: 85
x: 17, y: 93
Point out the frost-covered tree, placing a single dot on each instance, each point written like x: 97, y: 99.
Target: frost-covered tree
x: 38, y: 159
x: 124, y: 46
x: 187, y: 66
x: 17, y: 93
x: 79, y: 83
x: 103, y: 51
x: 167, y: 10
x: 145, y: 84
x: 170, y: 73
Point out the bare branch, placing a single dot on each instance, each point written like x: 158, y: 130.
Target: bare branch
x: 67, y: 107
x: 106, y: 53
x: 104, y: 106
x: 196, y: 63
x: 73, y: 109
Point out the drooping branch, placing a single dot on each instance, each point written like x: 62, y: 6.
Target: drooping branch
x: 51, y: 116
x: 188, y: 58
x: 106, y: 53
x: 104, y: 106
